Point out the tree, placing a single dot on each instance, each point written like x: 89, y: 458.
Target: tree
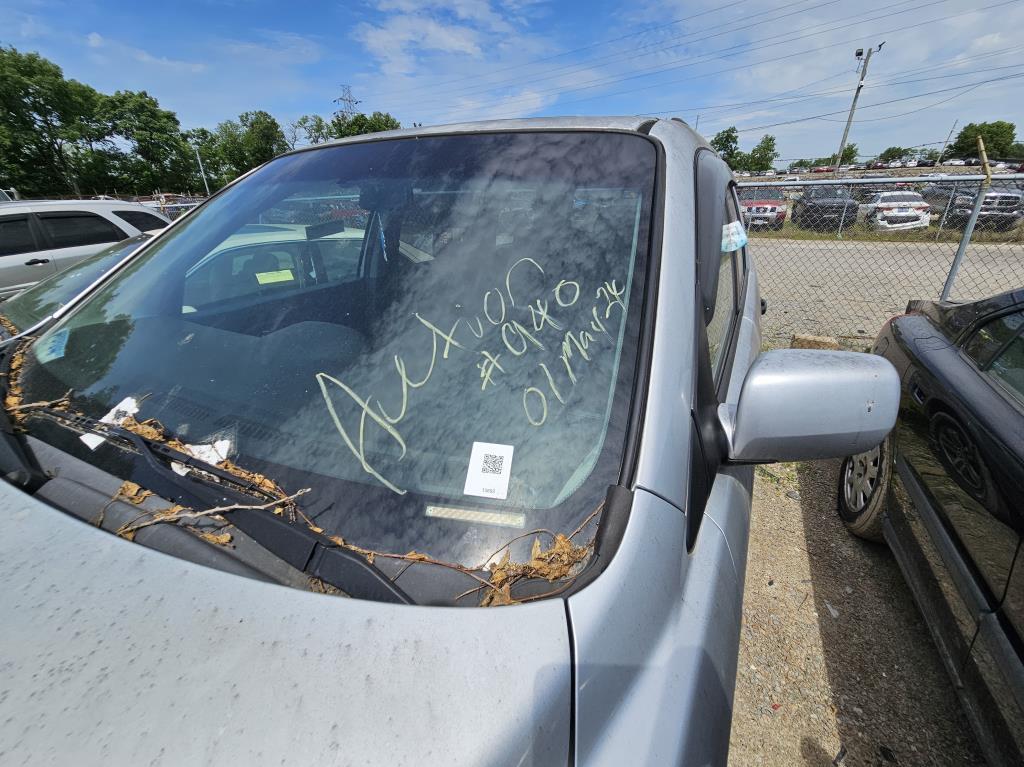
x: 928, y: 154
x: 262, y: 137
x: 727, y: 144
x: 159, y: 158
x: 1016, y: 151
x: 999, y: 136
x: 308, y: 129
x: 893, y: 153
x: 343, y: 125
x: 762, y: 157
x: 46, y: 122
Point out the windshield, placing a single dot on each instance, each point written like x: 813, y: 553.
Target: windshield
x: 435, y: 335
x: 763, y: 193
x: 828, y: 192
x: 45, y: 297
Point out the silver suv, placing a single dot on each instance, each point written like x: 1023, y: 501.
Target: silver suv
x: 431, y: 446
x: 42, y: 237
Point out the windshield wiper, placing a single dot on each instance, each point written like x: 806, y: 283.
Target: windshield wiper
x: 209, y: 486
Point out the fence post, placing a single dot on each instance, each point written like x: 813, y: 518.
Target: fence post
x: 842, y: 217
x: 969, y: 229
x: 945, y: 212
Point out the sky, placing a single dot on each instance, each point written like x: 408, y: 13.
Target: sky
x: 763, y: 66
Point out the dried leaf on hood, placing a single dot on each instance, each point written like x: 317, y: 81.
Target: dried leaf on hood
x: 219, y: 539
x: 9, y: 326
x: 131, y: 492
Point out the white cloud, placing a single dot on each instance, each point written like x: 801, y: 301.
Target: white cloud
x: 398, y: 42
x: 112, y: 50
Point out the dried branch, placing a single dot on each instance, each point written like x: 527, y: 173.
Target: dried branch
x: 178, y: 513
x: 60, y: 403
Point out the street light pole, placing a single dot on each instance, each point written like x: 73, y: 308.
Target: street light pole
x: 853, y: 106
x: 202, y: 172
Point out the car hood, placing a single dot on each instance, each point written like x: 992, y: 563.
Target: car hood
x: 116, y: 654
x: 752, y: 203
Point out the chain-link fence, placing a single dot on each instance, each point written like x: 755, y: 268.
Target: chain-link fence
x: 840, y: 257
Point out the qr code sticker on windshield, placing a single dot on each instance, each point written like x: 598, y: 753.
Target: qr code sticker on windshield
x: 492, y: 464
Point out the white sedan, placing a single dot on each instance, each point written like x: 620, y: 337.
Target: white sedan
x: 896, y: 210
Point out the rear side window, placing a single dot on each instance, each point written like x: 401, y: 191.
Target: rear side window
x: 1008, y: 367
x: 69, y: 230
x: 15, y: 236
x: 140, y: 219
x: 991, y: 337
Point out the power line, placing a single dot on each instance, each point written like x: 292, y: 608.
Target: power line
x: 662, y: 84
x: 723, y: 7
x: 878, y: 104
x: 839, y: 91
x: 701, y: 34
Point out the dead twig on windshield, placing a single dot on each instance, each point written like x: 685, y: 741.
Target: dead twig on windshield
x: 61, y: 403
x: 178, y: 513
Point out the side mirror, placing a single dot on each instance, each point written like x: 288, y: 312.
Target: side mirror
x: 799, y: 404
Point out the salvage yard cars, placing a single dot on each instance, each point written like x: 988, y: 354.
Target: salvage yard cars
x: 896, y: 210
x: 451, y: 464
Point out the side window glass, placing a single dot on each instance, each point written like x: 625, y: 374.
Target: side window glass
x: 141, y: 220
x: 725, y: 300
x: 15, y: 236
x: 75, y: 229
x: 341, y: 258
x: 240, y: 272
x: 1008, y: 367
x: 991, y: 337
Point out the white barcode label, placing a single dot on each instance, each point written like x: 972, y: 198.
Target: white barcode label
x: 490, y: 467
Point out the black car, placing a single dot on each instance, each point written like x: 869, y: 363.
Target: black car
x: 946, y: 492
x: 825, y: 207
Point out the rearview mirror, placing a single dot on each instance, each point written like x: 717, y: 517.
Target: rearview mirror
x: 799, y: 404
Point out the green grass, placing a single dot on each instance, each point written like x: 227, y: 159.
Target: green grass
x: 861, y: 232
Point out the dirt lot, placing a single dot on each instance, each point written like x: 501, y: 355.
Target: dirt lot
x: 834, y: 657
x: 849, y: 288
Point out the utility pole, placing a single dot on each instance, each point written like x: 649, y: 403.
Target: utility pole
x: 856, y: 95
x: 202, y: 171
x: 697, y: 124
x: 946, y: 142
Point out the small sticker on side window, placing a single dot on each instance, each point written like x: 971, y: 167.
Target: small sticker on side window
x: 268, y: 278
x: 490, y: 468
x: 734, y: 237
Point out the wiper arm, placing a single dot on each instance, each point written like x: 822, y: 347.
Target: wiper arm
x: 209, y: 486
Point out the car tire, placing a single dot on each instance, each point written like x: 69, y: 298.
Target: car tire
x: 863, y: 488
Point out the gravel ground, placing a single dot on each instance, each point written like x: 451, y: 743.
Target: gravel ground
x: 849, y: 288
x: 834, y: 656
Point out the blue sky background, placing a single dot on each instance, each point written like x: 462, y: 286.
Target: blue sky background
x: 749, y: 63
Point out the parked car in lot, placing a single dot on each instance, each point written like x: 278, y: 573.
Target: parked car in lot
x: 911, y: 163
x: 896, y: 164
x: 879, y: 165
x: 895, y: 210
x: 946, y: 492
x: 1002, y: 208
x: 764, y: 206
x: 825, y: 207
x: 37, y: 303
x: 954, y: 162
x: 39, y: 238
x: 537, y: 387
x: 926, y: 163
